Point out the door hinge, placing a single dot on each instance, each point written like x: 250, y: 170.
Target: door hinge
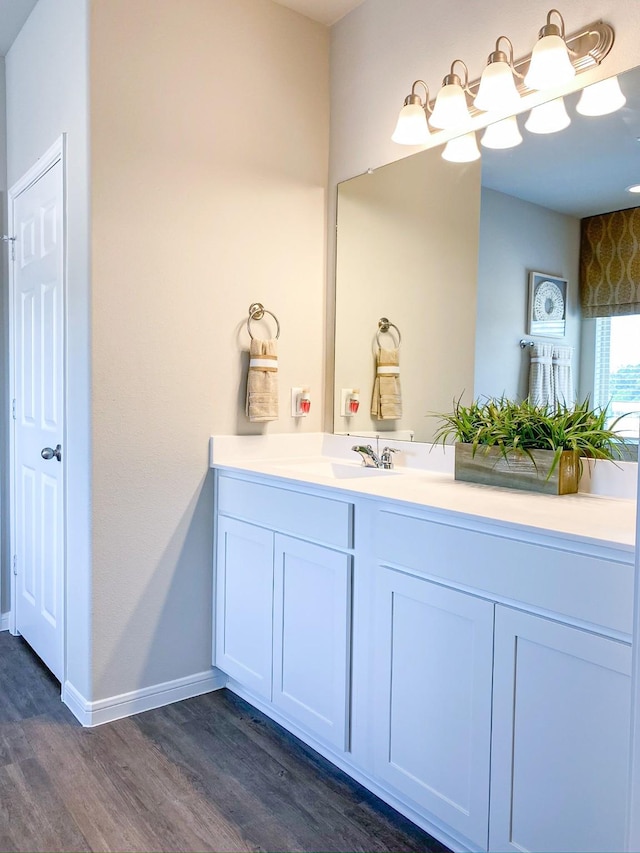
x: 15, y: 565
x: 12, y: 240
x: 13, y: 408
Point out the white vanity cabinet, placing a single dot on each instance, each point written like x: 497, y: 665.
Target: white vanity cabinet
x: 516, y: 735
x: 434, y: 648
x: 475, y: 674
x: 561, y: 704
x: 283, y: 603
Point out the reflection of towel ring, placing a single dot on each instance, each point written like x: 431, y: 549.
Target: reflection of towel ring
x: 257, y: 312
x: 383, y: 327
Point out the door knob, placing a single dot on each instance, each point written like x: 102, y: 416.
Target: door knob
x: 49, y: 452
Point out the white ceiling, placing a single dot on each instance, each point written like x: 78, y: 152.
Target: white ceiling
x: 325, y: 11
x: 13, y: 14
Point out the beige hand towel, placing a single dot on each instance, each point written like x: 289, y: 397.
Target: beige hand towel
x: 386, y: 402
x: 262, y: 381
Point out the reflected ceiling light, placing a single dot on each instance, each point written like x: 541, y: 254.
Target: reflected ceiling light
x: 462, y: 149
x: 601, y: 98
x: 634, y: 188
x: 450, y: 111
x: 497, y: 91
x: 412, y: 127
x: 548, y: 118
x: 550, y: 63
x: 502, y: 134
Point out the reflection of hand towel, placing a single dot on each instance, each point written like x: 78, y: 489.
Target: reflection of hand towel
x: 262, y: 381
x: 562, y: 376
x: 386, y: 403
x: 541, y: 375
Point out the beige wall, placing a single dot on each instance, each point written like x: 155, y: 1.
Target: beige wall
x: 408, y: 250
x: 209, y: 152
x: 515, y: 237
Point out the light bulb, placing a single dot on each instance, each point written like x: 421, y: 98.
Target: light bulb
x: 548, y: 118
x: 412, y: 127
x: 502, y: 134
x: 462, y: 149
x: 550, y: 65
x: 497, y: 91
x: 450, y: 110
x: 601, y: 98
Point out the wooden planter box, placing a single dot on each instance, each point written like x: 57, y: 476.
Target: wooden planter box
x: 517, y: 470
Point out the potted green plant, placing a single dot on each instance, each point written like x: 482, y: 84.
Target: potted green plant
x: 523, y: 446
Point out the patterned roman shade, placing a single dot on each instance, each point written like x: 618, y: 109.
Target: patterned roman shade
x: 610, y: 264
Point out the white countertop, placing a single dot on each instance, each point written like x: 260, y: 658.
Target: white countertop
x: 588, y: 518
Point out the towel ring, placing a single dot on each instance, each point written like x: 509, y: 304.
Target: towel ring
x: 257, y: 312
x: 383, y: 328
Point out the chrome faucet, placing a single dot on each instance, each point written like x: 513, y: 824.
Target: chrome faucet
x: 370, y: 458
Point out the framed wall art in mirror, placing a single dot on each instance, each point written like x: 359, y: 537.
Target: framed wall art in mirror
x: 547, y: 305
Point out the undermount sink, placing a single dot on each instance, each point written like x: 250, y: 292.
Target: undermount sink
x: 333, y: 470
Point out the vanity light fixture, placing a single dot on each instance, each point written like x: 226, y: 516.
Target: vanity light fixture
x: 602, y: 98
x: 497, y: 91
x: 462, y: 149
x: 412, y: 127
x: 634, y: 188
x: 548, y: 118
x: 451, y: 111
x: 554, y: 61
x: 550, y: 64
x: 502, y: 134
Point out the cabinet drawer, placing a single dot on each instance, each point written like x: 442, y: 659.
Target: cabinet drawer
x: 308, y: 516
x: 591, y: 589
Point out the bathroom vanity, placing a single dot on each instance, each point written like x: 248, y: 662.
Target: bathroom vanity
x: 463, y: 651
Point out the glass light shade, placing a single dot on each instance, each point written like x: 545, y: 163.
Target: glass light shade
x: 550, y: 64
x: 548, y: 118
x: 412, y: 127
x: 497, y: 92
x: 450, y: 110
x: 462, y: 149
x: 601, y: 98
x: 502, y: 134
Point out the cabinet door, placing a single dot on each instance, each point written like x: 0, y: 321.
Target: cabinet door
x: 432, y: 731
x: 561, y: 709
x: 244, y: 604
x: 311, y: 639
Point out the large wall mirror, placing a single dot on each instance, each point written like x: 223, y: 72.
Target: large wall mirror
x: 444, y: 251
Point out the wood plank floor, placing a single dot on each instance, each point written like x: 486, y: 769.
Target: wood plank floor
x: 206, y: 774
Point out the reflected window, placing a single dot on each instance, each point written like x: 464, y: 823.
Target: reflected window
x: 617, y: 370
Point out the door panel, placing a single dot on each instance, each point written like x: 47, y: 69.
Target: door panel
x: 244, y: 597
x: 39, y: 390
x: 561, y: 710
x: 434, y: 648
x: 311, y: 638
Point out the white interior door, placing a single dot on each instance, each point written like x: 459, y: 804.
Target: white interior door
x: 38, y: 482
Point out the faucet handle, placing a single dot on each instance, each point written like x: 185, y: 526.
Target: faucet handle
x: 386, y: 460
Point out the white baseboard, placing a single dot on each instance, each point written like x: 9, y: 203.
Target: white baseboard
x: 4, y: 621
x: 126, y: 704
